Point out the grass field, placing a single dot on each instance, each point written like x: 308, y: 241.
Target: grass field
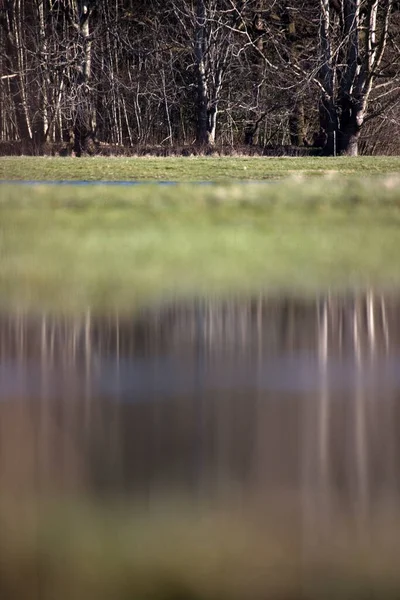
x: 114, y: 248
x: 177, y: 552
x: 221, y: 169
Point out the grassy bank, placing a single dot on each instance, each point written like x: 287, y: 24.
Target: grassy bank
x: 189, y: 169
x: 68, y: 248
x: 182, y: 553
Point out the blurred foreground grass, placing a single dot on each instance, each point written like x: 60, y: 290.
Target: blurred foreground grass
x: 65, y: 249
x: 182, y: 553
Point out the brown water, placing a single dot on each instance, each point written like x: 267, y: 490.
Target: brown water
x: 249, y: 397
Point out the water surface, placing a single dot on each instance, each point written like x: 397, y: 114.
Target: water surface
x: 260, y: 395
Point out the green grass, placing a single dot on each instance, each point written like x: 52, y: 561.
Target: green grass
x: 179, y: 552
x: 188, y: 169
x: 70, y: 248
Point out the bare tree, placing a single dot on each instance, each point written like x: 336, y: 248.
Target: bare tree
x: 79, y: 13
x: 11, y: 21
x: 269, y: 72
x: 354, y: 37
x: 212, y: 52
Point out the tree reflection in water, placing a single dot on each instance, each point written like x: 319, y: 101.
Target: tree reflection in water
x: 260, y: 396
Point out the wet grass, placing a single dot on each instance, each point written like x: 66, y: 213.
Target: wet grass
x: 179, y: 552
x: 188, y: 169
x: 67, y: 248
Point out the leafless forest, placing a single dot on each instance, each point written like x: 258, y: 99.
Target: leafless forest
x: 89, y: 76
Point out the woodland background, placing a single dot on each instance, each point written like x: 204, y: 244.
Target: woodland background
x: 183, y: 76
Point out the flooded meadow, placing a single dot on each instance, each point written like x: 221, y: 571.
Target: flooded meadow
x: 185, y: 413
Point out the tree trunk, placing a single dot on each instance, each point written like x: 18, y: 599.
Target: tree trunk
x: 296, y: 118
x: 327, y: 110
x: 40, y: 121
x: 351, y: 122
x: 83, y: 129
x: 328, y: 127
x: 211, y: 58
x: 212, y: 126
x: 348, y: 144
x: 202, y: 88
x: 296, y: 125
